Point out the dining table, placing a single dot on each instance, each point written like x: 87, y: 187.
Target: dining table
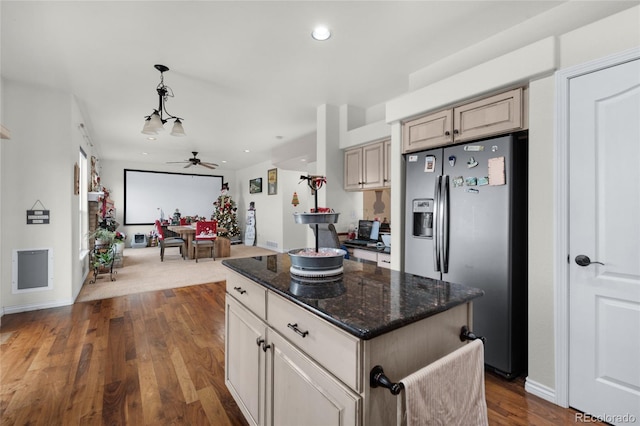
x: 188, y: 233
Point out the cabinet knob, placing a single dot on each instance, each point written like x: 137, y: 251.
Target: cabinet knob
x: 447, y: 133
x: 240, y: 290
x: 265, y: 347
x: 455, y: 131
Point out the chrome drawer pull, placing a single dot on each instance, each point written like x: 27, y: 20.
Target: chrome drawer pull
x: 295, y: 328
x: 240, y: 290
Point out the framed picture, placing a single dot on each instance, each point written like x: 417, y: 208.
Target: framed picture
x: 272, y: 181
x: 255, y: 186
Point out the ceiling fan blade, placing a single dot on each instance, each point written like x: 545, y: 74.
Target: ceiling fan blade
x: 188, y: 165
x: 207, y: 166
x: 210, y: 164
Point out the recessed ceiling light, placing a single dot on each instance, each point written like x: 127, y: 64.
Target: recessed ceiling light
x: 303, y: 159
x: 145, y: 153
x: 224, y: 161
x: 321, y: 33
x: 151, y: 138
x: 246, y: 150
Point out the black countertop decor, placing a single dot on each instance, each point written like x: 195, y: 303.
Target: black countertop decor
x: 364, y: 300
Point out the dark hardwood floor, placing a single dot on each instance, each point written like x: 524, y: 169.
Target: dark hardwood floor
x: 155, y: 358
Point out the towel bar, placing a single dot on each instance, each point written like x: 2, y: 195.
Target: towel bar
x: 377, y: 378
x: 466, y: 334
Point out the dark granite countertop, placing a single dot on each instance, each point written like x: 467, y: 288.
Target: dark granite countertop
x: 365, y: 300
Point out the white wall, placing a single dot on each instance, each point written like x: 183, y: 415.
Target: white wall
x: 331, y: 132
x: 275, y: 228
x: 38, y: 164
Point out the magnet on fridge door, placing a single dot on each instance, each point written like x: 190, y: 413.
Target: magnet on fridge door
x: 452, y: 160
x: 471, y: 181
x: 472, y: 163
x: 472, y: 191
x: 429, y: 163
x: 458, y: 181
x: 483, y: 181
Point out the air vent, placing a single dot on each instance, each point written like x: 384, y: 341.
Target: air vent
x: 32, y: 270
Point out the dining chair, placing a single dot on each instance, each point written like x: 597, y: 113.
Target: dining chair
x: 206, y: 234
x: 169, y: 242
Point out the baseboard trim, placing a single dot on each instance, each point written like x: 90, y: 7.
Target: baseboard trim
x: 540, y: 390
x: 36, y: 306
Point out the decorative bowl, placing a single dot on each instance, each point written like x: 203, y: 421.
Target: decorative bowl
x: 324, y: 258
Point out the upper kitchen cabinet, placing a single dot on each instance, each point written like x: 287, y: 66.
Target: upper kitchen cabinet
x: 427, y: 132
x: 386, y: 177
x: 501, y: 113
x: 366, y: 167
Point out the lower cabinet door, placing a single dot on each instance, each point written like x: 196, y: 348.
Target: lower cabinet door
x: 245, y: 363
x: 303, y: 393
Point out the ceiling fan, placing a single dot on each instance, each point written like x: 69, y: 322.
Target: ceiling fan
x: 193, y: 161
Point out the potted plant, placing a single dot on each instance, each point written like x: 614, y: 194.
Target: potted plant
x: 118, y: 240
x: 103, y: 237
x: 102, y: 260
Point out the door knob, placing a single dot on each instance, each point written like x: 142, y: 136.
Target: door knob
x: 584, y: 260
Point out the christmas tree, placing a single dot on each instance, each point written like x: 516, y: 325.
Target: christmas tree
x: 225, y: 213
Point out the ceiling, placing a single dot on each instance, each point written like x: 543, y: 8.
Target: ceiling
x: 246, y: 75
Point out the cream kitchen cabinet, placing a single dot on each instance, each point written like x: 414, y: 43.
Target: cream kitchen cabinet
x: 275, y: 382
x: 304, y: 393
x: 386, y: 176
x: 498, y: 114
x: 366, y: 167
x: 245, y: 361
x: 245, y: 336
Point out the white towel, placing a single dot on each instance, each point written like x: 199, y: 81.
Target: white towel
x: 449, y: 391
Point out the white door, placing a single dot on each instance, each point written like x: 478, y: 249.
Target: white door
x: 604, y: 171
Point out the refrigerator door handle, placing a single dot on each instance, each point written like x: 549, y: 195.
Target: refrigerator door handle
x: 444, y: 212
x: 436, y: 225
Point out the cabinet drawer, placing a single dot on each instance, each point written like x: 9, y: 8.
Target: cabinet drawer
x: 250, y: 294
x: 365, y: 255
x: 384, y: 260
x: 334, y: 349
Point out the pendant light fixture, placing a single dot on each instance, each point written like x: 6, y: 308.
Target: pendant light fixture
x: 154, y: 123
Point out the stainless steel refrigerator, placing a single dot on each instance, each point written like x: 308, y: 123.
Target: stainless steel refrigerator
x: 466, y: 222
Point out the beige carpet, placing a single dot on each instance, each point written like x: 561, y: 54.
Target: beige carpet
x: 143, y: 271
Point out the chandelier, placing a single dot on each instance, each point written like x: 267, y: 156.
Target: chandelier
x: 154, y: 123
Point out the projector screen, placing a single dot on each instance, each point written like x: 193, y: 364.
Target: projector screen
x: 146, y: 192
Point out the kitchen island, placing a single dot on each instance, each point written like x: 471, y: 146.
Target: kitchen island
x: 299, y: 351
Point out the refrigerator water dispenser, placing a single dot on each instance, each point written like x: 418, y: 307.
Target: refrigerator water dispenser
x: 423, y: 217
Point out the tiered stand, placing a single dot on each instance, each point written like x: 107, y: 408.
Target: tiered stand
x: 327, y: 259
